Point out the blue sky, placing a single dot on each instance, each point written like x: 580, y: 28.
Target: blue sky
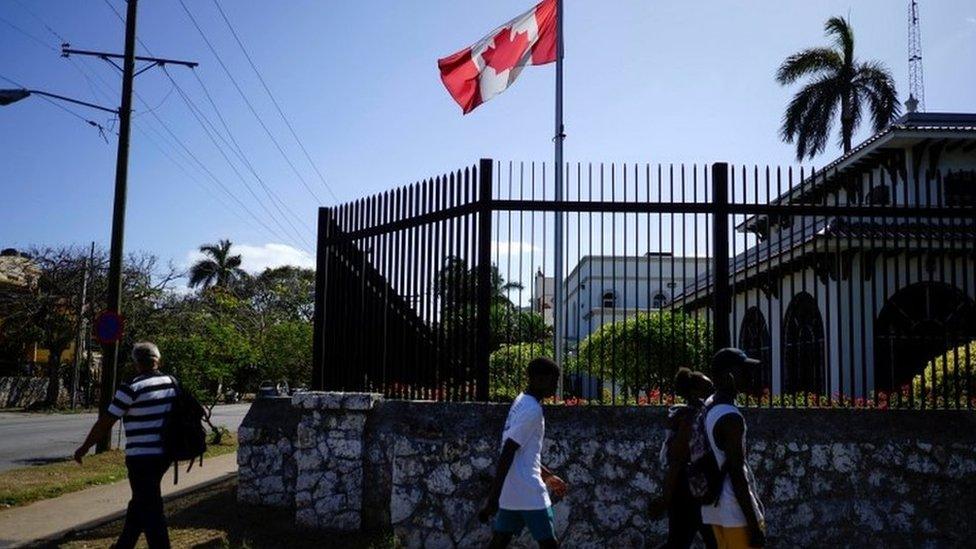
x: 646, y: 81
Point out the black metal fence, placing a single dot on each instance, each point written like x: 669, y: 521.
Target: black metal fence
x: 854, y: 286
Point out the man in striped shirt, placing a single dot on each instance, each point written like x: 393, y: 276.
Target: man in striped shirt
x: 143, y: 405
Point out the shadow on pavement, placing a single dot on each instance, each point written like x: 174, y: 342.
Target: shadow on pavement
x: 213, y: 518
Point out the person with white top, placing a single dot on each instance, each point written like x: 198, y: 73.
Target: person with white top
x: 737, y: 517
x: 519, y: 496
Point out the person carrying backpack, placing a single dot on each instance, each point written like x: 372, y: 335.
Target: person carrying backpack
x: 144, y: 404
x: 683, y: 509
x: 736, y: 514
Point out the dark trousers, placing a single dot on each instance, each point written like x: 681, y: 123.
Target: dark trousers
x: 685, y: 520
x: 145, y: 512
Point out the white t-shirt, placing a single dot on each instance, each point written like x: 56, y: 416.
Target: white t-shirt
x: 728, y: 513
x: 524, y: 489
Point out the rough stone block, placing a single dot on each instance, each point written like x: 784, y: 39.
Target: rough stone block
x: 361, y: 401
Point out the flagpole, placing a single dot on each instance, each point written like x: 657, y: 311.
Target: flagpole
x: 558, y: 305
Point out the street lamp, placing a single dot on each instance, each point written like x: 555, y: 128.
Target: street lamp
x: 12, y: 96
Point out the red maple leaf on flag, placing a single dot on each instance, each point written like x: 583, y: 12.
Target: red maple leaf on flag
x: 506, y: 50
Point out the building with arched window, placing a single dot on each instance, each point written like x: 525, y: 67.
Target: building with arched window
x: 857, y: 306
x: 755, y: 340
x: 605, y: 289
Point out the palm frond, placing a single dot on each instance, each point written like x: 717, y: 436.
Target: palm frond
x: 213, y: 250
x: 809, y: 116
x: 808, y: 62
x: 843, y: 35
x: 203, y: 273
x: 874, y: 81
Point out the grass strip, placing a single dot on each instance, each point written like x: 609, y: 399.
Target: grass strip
x: 29, y: 484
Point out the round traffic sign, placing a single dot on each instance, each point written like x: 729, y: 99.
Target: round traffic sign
x: 109, y: 326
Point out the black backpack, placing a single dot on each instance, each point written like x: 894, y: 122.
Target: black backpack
x: 184, y: 438
x: 705, y: 477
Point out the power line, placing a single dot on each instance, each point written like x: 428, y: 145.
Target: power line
x: 206, y: 170
x: 61, y: 39
x: 274, y: 101
x: 101, y: 129
x: 186, y: 150
x: 240, y: 151
x: 150, y: 110
x: 248, y: 102
x: 32, y: 37
x: 204, y: 122
x: 226, y: 206
x: 119, y: 15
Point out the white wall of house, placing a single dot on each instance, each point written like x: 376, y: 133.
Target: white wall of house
x: 849, y: 308
x: 606, y: 289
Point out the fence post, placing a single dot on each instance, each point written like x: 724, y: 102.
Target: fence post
x: 482, y: 346
x: 318, y: 325
x: 721, y: 299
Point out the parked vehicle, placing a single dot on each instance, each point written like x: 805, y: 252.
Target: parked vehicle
x: 267, y: 390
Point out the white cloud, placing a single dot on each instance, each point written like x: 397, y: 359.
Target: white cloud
x: 512, y: 247
x: 255, y: 259
x: 971, y: 20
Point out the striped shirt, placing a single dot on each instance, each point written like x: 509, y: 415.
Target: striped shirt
x: 143, y: 405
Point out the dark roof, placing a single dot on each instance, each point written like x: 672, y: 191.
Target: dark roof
x: 788, y: 242
x: 918, y: 122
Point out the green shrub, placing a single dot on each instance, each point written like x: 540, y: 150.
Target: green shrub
x: 951, y: 375
x: 642, y: 353
x: 507, y: 365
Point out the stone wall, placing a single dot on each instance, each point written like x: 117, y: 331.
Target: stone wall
x: 827, y: 477
x: 23, y: 392
x: 266, y: 468
x: 329, y: 456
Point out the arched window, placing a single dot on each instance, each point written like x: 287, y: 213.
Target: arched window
x: 754, y: 339
x: 660, y: 300
x: 609, y: 299
x: 917, y: 324
x: 803, y: 346
x: 880, y: 196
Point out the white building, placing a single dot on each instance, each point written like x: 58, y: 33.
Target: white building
x: 851, y: 306
x: 605, y: 289
x: 543, y: 293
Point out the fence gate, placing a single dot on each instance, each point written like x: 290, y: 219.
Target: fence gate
x: 399, y: 301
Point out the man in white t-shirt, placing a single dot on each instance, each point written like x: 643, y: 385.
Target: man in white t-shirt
x: 519, y: 496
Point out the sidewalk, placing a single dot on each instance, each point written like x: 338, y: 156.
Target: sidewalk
x: 53, y: 518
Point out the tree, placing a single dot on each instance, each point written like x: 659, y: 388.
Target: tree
x: 206, y: 354
x: 456, y: 284
x: 45, y: 312
x: 507, y: 367
x: 642, y: 353
x: 838, y: 81
x: 283, y: 293
x: 219, y: 268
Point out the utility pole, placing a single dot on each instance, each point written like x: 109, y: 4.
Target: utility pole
x: 110, y: 351
x: 80, y: 327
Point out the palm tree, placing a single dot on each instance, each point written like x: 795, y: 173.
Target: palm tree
x: 838, y: 81
x: 218, y: 268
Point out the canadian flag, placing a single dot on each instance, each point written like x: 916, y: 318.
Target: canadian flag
x: 487, y: 68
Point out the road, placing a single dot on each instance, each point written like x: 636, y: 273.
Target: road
x: 35, y: 439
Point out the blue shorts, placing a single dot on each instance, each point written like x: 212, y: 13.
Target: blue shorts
x: 541, y: 523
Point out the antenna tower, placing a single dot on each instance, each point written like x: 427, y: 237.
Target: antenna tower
x: 916, y: 83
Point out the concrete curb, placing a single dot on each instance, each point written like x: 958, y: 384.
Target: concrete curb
x: 93, y: 524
